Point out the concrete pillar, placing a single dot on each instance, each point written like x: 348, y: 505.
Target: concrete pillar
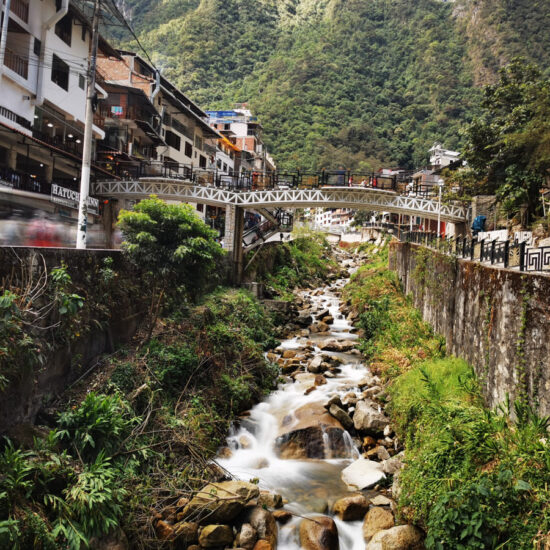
x: 49, y: 172
x: 12, y: 158
x: 233, y: 239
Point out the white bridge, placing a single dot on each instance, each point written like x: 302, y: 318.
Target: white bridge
x: 323, y: 197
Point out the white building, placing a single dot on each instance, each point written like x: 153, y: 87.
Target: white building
x: 43, y: 100
x: 440, y: 157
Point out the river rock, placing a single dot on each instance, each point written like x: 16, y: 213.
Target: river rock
x: 320, y: 380
x: 282, y: 516
x: 335, y: 400
x: 367, y: 418
x: 213, y: 536
x: 271, y: 500
x: 351, y: 508
x: 319, y: 326
x: 305, y: 438
x: 381, y: 500
x: 164, y: 530
x: 402, y: 537
x: 263, y: 545
x: 220, y: 502
x: 187, y: 532
x: 247, y: 537
x: 322, y: 314
x: 362, y: 474
x: 263, y: 522
x: 377, y: 519
x: 393, y: 464
x: 314, y: 365
x: 342, y: 416
x: 319, y: 533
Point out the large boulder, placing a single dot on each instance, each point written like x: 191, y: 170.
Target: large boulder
x: 369, y: 419
x: 351, y: 508
x: 220, y: 502
x: 319, y: 533
x: 213, y: 536
x: 377, y: 519
x: 362, y: 474
x: 305, y: 438
x: 402, y: 537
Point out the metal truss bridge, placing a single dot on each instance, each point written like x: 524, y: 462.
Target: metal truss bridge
x: 321, y: 197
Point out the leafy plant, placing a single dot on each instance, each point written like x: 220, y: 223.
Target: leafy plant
x: 100, y: 424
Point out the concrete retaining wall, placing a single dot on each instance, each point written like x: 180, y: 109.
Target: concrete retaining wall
x: 113, y: 312
x: 496, y: 319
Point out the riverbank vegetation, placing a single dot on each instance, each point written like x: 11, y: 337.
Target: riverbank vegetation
x: 474, y: 478
x: 306, y: 260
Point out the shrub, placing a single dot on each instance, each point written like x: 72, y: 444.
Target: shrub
x: 99, y: 424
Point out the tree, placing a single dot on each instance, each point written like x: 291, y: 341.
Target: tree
x: 508, y: 145
x: 173, y: 248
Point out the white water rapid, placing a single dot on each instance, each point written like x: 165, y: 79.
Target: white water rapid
x: 309, y: 486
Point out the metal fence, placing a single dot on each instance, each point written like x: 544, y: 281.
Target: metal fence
x: 508, y: 254
x: 258, y: 180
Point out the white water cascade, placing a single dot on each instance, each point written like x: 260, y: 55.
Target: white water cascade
x: 309, y: 486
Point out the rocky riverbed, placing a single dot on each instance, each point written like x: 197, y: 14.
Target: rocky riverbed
x: 316, y: 464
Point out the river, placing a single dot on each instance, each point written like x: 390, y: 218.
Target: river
x: 308, y: 486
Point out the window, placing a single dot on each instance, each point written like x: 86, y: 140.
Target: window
x: 81, y: 81
x: 224, y: 167
x: 173, y: 140
x: 198, y: 142
x: 188, y: 150
x: 60, y: 72
x: 37, y: 46
x: 202, y: 161
x: 64, y: 29
x: 83, y: 33
x: 227, y: 126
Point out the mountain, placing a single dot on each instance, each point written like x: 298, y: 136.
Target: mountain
x: 363, y: 83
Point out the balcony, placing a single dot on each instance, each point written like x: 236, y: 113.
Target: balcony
x: 16, y: 63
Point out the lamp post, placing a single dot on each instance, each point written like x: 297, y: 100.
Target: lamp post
x: 440, y: 184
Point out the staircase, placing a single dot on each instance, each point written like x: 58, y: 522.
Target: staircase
x: 278, y: 221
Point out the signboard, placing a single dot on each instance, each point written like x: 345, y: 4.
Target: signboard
x: 221, y: 114
x: 70, y: 198
x: 116, y: 110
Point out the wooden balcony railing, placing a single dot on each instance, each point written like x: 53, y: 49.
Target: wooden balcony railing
x: 19, y: 8
x: 16, y: 63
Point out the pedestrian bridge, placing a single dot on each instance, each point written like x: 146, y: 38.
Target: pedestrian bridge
x: 365, y: 198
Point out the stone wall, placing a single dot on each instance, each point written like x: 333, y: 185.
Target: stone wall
x: 114, y: 311
x: 496, y: 319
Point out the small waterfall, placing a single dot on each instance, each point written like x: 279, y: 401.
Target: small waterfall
x: 309, y: 486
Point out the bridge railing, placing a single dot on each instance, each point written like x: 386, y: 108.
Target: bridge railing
x: 265, y: 180
x: 507, y: 254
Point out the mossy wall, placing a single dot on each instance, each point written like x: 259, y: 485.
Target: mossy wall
x: 112, y: 312
x: 496, y: 319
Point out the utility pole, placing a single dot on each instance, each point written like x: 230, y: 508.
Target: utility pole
x: 87, y: 149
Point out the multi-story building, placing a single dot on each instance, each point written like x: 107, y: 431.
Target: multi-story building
x: 149, y: 119
x: 42, y: 104
x: 440, y: 157
x: 245, y: 131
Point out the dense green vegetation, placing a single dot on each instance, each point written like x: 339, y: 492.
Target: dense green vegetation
x: 508, y: 145
x: 147, y: 430
x: 474, y: 478
x: 363, y: 84
x: 306, y: 260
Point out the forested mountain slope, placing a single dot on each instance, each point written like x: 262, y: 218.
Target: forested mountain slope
x: 355, y: 82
